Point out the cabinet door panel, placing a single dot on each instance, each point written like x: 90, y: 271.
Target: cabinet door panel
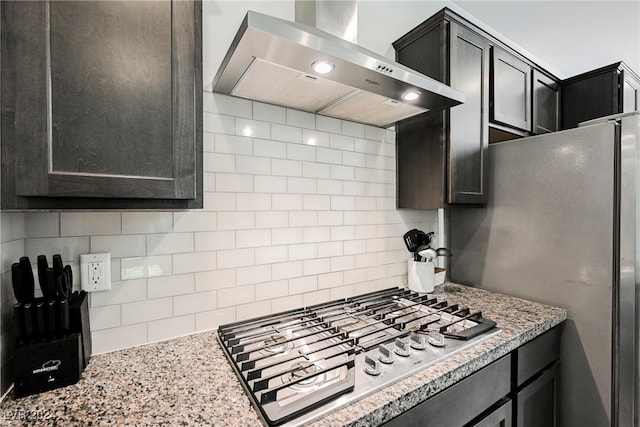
x: 630, y: 94
x: 111, y: 107
x: 511, y: 91
x: 536, y: 403
x: 501, y: 417
x: 546, y: 104
x: 469, y: 73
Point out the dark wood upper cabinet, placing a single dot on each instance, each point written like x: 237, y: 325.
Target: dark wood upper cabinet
x: 608, y: 90
x: 101, y: 104
x: 546, y: 103
x: 511, y: 88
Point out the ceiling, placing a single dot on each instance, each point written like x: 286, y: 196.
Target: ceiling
x: 570, y: 36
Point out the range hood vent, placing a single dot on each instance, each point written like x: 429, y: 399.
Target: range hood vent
x: 271, y: 60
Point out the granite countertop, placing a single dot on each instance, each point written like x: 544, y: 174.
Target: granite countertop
x: 188, y: 381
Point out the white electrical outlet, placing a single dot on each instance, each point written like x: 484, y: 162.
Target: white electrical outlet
x: 95, y: 272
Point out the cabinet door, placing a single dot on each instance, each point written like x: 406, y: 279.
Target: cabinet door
x: 511, y: 93
x: 546, y: 104
x: 469, y: 128
x: 630, y: 94
x: 501, y: 417
x: 105, y: 97
x: 536, y: 402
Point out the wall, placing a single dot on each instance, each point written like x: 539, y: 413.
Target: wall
x: 300, y: 212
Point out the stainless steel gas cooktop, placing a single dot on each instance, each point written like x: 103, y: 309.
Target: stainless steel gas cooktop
x: 299, y: 365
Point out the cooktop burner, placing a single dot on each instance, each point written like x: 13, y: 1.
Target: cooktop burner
x: 299, y: 365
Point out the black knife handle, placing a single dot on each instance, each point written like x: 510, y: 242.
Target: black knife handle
x: 51, y: 317
x: 39, y: 326
x: 16, y: 281
x: 58, y: 266
x: 43, y: 266
x: 28, y: 321
x: 64, y: 315
x: 18, y: 321
x: 28, y: 281
x: 51, y: 284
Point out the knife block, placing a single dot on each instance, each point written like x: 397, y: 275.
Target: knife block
x: 79, y: 322
x: 47, y: 365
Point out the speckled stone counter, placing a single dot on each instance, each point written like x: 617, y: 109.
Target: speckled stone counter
x: 188, y: 381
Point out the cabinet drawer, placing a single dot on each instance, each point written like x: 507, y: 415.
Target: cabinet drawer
x: 462, y: 402
x: 537, y: 354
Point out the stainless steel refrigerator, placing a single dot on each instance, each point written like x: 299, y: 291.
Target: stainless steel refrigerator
x: 561, y: 227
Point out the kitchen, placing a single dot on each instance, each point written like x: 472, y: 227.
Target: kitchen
x: 284, y: 224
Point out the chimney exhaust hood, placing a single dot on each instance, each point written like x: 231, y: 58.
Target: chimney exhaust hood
x: 272, y: 60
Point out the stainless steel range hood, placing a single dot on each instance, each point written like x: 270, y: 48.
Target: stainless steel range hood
x: 270, y: 60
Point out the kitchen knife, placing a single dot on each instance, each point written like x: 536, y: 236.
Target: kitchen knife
x: 16, y: 281
x: 18, y: 322
x: 64, y: 315
x: 39, y: 328
x: 28, y: 321
x: 51, y: 283
x: 43, y: 266
x: 28, y: 281
x: 58, y: 266
x: 51, y: 318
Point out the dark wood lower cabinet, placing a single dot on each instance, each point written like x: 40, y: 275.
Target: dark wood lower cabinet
x: 536, y: 403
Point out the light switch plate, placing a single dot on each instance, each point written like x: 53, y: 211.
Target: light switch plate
x: 95, y: 272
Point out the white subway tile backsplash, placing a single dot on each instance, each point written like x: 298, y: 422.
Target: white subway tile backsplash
x: 269, y: 113
x: 286, y: 167
x: 121, y: 292
x: 315, y: 138
x: 107, y: 340
x: 303, y: 218
x: 194, y: 221
x: 316, y: 202
x: 254, y: 309
x: 169, y: 243
x: 104, y: 317
x: 252, y: 275
x: 145, y: 222
x: 286, y: 270
x: 11, y: 252
x: 32, y: 224
x: 298, y: 209
x: 145, y: 311
x: 141, y: 267
x: 253, y: 128
x: 286, y: 133
x: 328, y: 124
x: 271, y: 254
x: 231, y: 106
x: 208, y: 320
x: 311, y: 298
x: 236, y: 220
x: 169, y: 328
x: 159, y: 287
x: 235, y: 258
x: 195, y: 302
x: 194, y: 262
x: 226, y: 182
x: 215, y: 240
x: 253, y: 202
x: 344, y: 173
x: 329, y: 186
x: 270, y: 184
x: 271, y: 290
x: 283, y: 236
x: 216, y: 162
x: 301, y: 119
x: 219, y: 124
x: 215, y: 279
x: 253, y: 238
x: 271, y: 149
x: 235, y: 296
x: 70, y: 248
x: 301, y: 152
x: 272, y: 219
x: 253, y: 165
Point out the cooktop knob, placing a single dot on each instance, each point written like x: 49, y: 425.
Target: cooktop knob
x: 401, y: 348
x: 371, y: 366
x: 417, y: 341
x: 436, y: 339
x: 385, y: 355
